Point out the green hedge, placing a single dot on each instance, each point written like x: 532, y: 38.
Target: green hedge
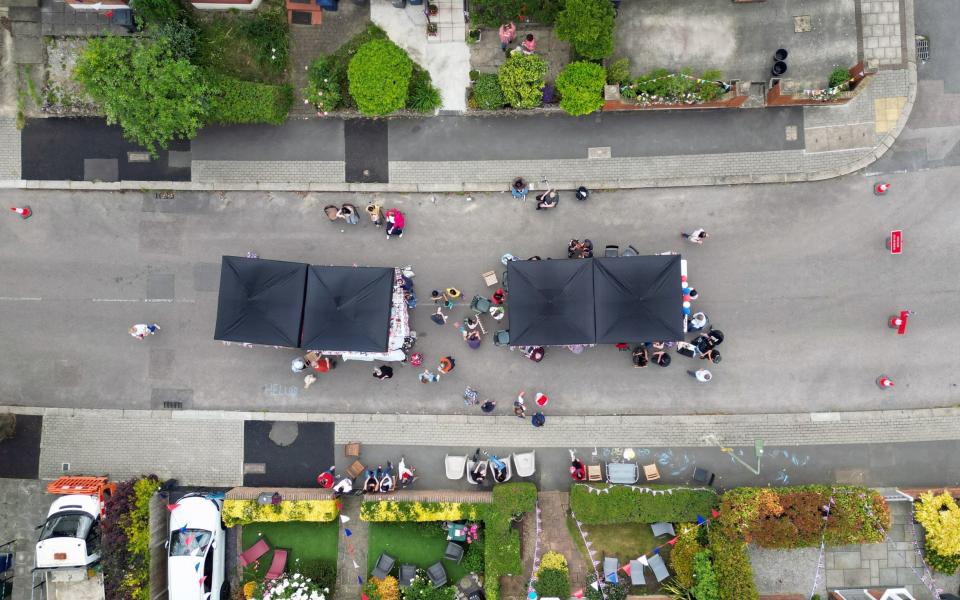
x: 379, y: 75
x: 731, y: 564
x: 581, y: 87
x: 522, y: 78
x: 487, y: 94
x: 622, y: 504
x: 502, y: 541
x: 238, y: 101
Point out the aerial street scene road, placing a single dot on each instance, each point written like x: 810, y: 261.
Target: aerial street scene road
x: 479, y: 300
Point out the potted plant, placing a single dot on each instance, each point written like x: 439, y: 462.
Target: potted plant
x: 473, y: 36
x: 433, y: 10
x: 431, y: 29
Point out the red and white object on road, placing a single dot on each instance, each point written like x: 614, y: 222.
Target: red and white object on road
x: 881, y: 188
x: 899, y: 322
x: 895, y: 242
x: 884, y: 382
x: 25, y: 212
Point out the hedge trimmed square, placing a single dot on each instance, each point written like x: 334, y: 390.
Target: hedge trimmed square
x: 623, y: 504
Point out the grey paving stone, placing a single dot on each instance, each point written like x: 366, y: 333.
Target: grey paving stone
x: 846, y: 560
x: 856, y: 577
x: 873, y: 551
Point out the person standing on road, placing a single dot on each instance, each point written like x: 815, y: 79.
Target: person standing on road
x: 447, y: 363
x: 383, y: 372
x: 519, y: 408
x: 488, y: 406
x: 142, y: 330
x: 538, y: 420
x: 697, y: 237
x: 701, y: 375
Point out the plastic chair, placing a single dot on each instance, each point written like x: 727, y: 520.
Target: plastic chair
x: 254, y: 552
x: 630, y: 251
x: 501, y: 338
x: 277, y: 565
x: 480, y: 305
x: 611, y: 251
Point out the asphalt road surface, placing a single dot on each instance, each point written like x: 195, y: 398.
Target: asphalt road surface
x: 796, y: 276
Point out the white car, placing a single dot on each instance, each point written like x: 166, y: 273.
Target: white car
x: 70, y: 537
x: 196, y: 550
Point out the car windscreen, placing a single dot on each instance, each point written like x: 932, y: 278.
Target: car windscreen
x: 189, y: 542
x: 67, y: 525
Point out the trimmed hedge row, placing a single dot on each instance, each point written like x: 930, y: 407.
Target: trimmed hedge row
x: 793, y: 517
x: 241, y: 512
x: 502, y: 544
x: 238, y: 101
x: 731, y: 564
x: 622, y: 504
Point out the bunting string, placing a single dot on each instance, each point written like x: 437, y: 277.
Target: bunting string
x: 593, y: 563
x: 536, y: 551
x: 926, y: 577
x: 823, y: 544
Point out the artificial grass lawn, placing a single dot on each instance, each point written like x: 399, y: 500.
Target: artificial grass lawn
x: 303, y: 541
x: 420, y: 544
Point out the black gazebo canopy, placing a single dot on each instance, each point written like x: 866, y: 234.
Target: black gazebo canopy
x: 261, y: 301
x: 595, y: 301
x: 347, y: 308
x: 551, y: 302
x: 638, y: 299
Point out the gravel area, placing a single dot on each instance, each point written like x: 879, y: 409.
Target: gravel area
x: 60, y: 94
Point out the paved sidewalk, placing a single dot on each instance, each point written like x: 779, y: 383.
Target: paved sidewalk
x: 556, y: 536
x: 351, y: 551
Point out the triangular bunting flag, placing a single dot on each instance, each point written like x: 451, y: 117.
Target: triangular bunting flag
x: 344, y: 518
x: 673, y: 541
x: 714, y: 513
x: 595, y: 585
x: 171, y: 507
x: 359, y: 580
x: 196, y: 567
x: 364, y: 596
x: 656, y: 550
x: 355, y: 565
x: 347, y: 532
x: 700, y: 520
x: 643, y: 561
x: 202, y: 579
x: 592, y: 552
x: 183, y: 529
x: 626, y: 569
x: 338, y: 504
x: 588, y: 543
x: 578, y: 594
x: 596, y: 562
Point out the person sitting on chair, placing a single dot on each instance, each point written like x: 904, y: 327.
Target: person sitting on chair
x: 577, y: 470
x: 548, y: 199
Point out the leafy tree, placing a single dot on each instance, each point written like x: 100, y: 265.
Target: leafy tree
x: 379, y: 75
x: 588, y: 26
x: 618, y: 71
x: 581, y: 87
x: 705, y: 585
x: 521, y: 79
x: 154, y: 96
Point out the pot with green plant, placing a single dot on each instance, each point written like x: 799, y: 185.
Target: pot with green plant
x: 431, y: 29
x: 473, y: 36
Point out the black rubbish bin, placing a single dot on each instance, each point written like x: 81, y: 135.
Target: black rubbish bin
x: 780, y: 55
x: 779, y: 68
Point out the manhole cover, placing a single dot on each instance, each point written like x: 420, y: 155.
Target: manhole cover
x: 284, y: 433
x: 923, y: 48
x: 802, y: 24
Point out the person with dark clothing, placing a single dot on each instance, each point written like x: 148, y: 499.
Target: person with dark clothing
x: 548, y: 199
x: 383, y: 372
x: 661, y: 358
x: 716, y: 336
x: 640, y: 358
x: 488, y: 406
x: 538, y: 420
x: 702, y: 343
x: 687, y: 349
x: 712, y: 354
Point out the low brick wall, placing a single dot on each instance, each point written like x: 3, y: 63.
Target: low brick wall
x: 776, y: 97
x: 251, y: 493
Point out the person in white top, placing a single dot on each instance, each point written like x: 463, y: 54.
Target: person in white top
x: 702, y: 375
x: 697, y: 237
x: 142, y: 330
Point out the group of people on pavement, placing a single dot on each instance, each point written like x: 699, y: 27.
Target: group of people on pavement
x: 392, y: 219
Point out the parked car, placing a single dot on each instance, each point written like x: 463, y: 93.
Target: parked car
x: 197, y: 537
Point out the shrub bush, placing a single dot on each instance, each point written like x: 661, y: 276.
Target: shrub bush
x: 792, y: 517
x: 323, y: 84
x: 731, y: 564
x: 241, y: 512
x: 126, y: 540
x: 516, y: 498
x: 473, y: 559
x: 588, y: 26
x: 269, y: 33
x: 239, y: 101
x: 521, y: 78
x: 948, y: 564
x: 552, y: 583
x: 940, y: 517
x: 422, y: 96
x: 619, y: 71
x: 493, y: 13
x: 618, y: 591
x: 839, y: 76
x: 422, y: 589
x: 625, y: 505
x: 684, y: 550
x: 156, y: 12
x: 487, y: 93
x: 581, y: 87
x: 180, y: 37
x: 705, y: 585
x: 379, y: 75
x: 340, y: 60
x: 323, y: 572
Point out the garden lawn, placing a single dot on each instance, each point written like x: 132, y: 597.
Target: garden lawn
x: 626, y: 541
x: 226, y: 45
x: 304, y: 541
x: 420, y: 544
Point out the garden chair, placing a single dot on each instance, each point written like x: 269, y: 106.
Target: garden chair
x: 407, y: 573
x: 454, y: 552
x: 490, y: 278
x: 355, y: 468
x: 594, y: 473
x: 437, y: 575
x: 254, y: 552
x: 455, y: 466
x: 611, y: 251
x: 277, y: 565
x: 352, y: 449
x: 651, y: 472
x: 662, y: 528
x: 636, y: 573
x: 501, y: 337
x: 524, y: 463
x: 626, y: 473
x: 659, y: 569
x: 611, y: 564
x: 384, y: 566
x: 480, y: 305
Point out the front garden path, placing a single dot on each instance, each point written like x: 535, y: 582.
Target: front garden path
x: 351, y: 551
x: 486, y: 55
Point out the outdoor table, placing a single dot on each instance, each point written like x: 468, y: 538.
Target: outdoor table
x: 457, y: 532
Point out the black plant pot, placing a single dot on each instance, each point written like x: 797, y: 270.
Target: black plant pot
x: 779, y: 68
x: 780, y: 55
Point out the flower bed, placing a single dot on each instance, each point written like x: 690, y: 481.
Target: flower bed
x: 502, y: 544
x: 623, y: 504
x: 291, y: 586
x: 940, y: 517
x: 126, y: 540
x: 241, y: 512
x: 793, y: 517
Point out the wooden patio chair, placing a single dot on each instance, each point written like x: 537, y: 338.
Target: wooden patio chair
x: 594, y: 473
x: 355, y: 468
x: 651, y: 472
x: 352, y: 449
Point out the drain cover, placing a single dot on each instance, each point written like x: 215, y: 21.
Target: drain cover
x: 802, y: 24
x: 923, y: 48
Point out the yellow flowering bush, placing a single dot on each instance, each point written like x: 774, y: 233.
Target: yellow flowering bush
x: 384, y: 511
x: 940, y: 517
x: 241, y: 512
x: 249, y: 589
x: 553, y: 560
